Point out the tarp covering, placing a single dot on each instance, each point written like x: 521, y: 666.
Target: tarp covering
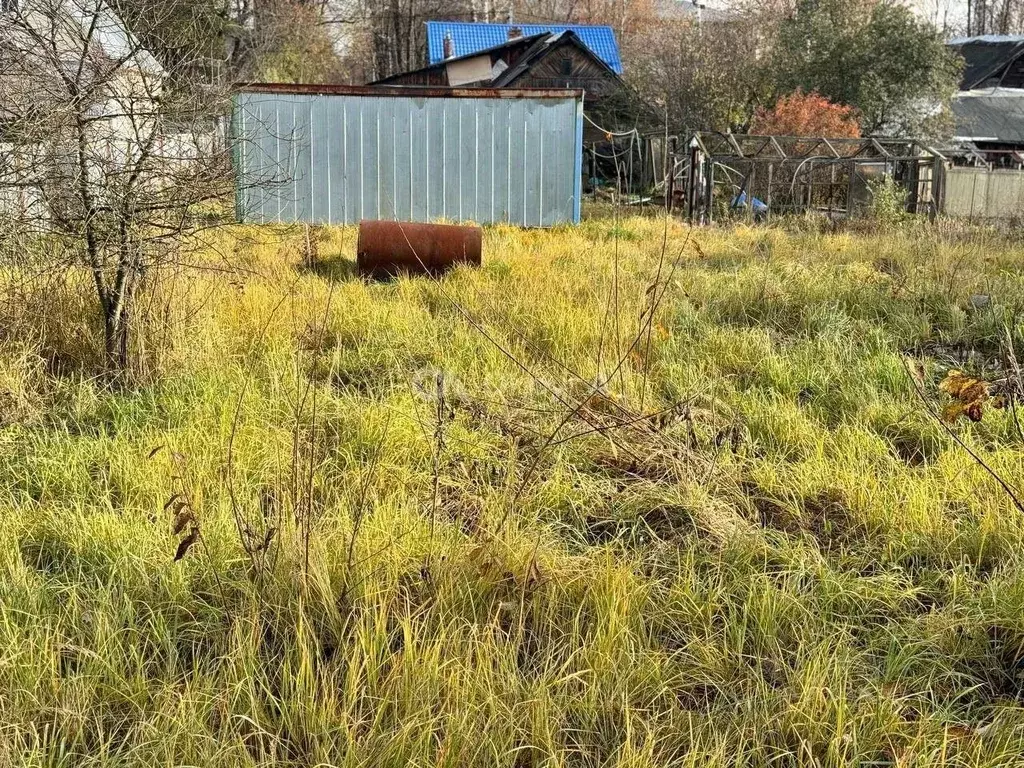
x: 990, y: 114
x: 986, y: 56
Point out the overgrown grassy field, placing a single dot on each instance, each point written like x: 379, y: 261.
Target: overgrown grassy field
x: 627, y: 495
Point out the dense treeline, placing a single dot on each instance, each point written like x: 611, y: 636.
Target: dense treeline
x: 712, y: 72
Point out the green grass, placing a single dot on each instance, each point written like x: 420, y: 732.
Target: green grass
x: 796, y: 567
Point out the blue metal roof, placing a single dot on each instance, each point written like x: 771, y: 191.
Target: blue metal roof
x: 471, y: 37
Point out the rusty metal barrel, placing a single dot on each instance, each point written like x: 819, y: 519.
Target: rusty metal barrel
x: 388, y: 248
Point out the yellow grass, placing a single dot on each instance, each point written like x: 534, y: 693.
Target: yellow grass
x: 483, y: 556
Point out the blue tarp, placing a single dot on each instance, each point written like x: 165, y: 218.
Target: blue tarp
x: 740, y: 201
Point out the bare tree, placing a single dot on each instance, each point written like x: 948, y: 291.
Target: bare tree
x: 995, y: 17
x: 243, y: 40
x: 397, y: 30
x: 709, y: 75
x: 106, y: 164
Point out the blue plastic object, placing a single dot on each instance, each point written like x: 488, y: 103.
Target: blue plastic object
x: 740, y: 201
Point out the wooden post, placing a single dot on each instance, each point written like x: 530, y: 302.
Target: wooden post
x: 670, y: 173
x: 710, y: 194
x: 768, y: 196
x: 644, y: 148
x: 938, y: 187
x: 831, y: 187
x: 750, y: 193
x: 810, y: 186
x: 593, y: 169
x: 691, y: 182
x: 851, y: 179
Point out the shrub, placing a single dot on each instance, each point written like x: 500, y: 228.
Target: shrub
x: 888, y: 201
x: 806, y: 114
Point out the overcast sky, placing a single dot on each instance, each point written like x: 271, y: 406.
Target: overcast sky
x: 943, y: 13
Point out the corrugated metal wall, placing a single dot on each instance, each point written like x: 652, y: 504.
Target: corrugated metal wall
x: 984, y: 194
x: 339, y: 158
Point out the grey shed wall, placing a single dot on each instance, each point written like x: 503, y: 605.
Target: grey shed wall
x: 354, y: 153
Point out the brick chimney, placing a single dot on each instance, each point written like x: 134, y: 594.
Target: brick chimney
x: 449, y: 46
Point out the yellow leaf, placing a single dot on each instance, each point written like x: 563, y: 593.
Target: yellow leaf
x: 953, y: 411
x: 968, y: 394
x: 963, y: 387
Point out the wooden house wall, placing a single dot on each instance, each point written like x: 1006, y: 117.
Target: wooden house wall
x: 566, y: 66
x: 434, y: 77
x: 606, y: 100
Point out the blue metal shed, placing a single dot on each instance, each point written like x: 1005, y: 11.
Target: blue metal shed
x: 338, y: 154
x: 470, y: 37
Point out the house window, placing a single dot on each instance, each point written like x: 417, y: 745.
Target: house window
x: 565, y: 66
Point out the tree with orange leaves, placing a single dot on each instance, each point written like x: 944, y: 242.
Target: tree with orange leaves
x: 806, y: 114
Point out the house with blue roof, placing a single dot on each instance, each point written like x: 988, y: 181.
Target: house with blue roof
x: 545, y: 59
x: 466, y: 38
